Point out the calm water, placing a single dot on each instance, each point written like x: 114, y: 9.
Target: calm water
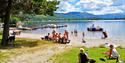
x: 115, y: 29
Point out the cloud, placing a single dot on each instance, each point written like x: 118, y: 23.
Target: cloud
x: 118, y: 2
x: 103, y: 2
x: 92, y: 6
x: 106, y: 10
x: 65, y: 7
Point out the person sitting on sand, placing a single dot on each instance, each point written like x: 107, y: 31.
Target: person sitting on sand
x: 65, y: 38
x: 48, y: 37
x: 82, y: 56
x: 53, y: 34
x: 60, y: 37
x: 56, y: 37
x: 112, y: 53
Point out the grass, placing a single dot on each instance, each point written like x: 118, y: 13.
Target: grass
x: 70, y: 56
x: 22, y: 45
x: 1, y: 32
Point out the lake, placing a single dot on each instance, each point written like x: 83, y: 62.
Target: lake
x: 115, y: 29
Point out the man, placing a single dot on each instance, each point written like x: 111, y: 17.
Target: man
x: 104, y: 34
x: 83, y: 57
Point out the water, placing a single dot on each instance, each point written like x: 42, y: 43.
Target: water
x: 115, y: 29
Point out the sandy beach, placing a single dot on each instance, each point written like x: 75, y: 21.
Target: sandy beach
x: 46, y: 53
x: 77, y: 41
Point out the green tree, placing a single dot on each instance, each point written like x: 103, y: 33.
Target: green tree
x: 13, y: 7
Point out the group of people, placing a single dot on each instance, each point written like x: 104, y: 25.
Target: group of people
x: 111, y: 54
x: 58, y: 37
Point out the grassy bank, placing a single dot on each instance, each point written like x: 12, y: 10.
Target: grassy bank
x: 70, y: 56
x: 22, y: 45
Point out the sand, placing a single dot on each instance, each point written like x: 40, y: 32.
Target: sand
x: 43, y: 55
x: 77, y: 40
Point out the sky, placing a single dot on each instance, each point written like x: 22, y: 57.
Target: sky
x: 96, y: 7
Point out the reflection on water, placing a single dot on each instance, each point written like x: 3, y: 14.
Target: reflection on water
x: 115, y: 29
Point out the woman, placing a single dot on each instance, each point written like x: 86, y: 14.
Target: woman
x: 82, y: 56
x: 112, y: 53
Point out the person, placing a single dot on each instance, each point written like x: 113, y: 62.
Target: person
x: 83, y: 40
x: 48, y: 37
x: 14, y: 33
x: 65, y: 38
x: 60, y: 38
x: 93, y: 26
x: 66, y: 34
x: 82, y: 56
x: 71, y: 32
x: 112, y: 53
x: 104, y: 34
x: 53, y: 34
x: 98, y: 27
x: 75, y: 32
x: 56, y: 37
x: 83, y: 34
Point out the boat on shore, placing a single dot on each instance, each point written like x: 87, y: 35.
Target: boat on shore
x: 53, y: 26
x: 24, y: 28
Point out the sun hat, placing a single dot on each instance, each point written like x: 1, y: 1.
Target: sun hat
x: 81, y: 49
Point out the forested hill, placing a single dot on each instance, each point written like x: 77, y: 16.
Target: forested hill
x: 81, y: 16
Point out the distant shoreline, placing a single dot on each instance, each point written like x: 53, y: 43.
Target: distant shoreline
x: 78, y: 21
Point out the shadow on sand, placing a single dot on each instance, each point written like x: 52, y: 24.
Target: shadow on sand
x: 19, y: 43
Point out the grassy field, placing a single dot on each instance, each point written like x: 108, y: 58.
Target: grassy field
x: 71, y: 56
x: 22, y: 45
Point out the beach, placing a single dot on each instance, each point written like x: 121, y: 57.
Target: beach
x: 77, y: 41
x: 45, y: 53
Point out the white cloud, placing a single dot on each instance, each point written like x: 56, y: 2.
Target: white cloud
x: 66, y: 7
x: 92, y: 6
x: 103, y: 2
x: 123, y: 7
x: 106, y: 10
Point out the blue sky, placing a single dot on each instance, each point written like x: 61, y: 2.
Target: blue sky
x: 96, y: 7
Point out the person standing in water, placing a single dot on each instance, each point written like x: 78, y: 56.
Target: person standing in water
x: 71, y: 32
x: 83, y: 40
x: 93, y: 26
x: 83, y: 34
x: 104, y: 35
x: 75, y: 32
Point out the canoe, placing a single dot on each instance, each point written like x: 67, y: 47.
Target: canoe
x: 95, y: 29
